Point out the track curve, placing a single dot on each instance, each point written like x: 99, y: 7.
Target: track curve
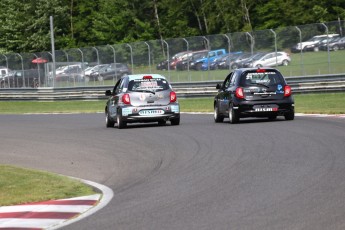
x: 199, y: 175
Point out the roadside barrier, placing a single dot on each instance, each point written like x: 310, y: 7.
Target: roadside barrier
x: 306, y: 84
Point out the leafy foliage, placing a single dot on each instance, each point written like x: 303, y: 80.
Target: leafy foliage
x: 25, y: 26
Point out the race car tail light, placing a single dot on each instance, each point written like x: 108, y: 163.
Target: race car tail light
x: 126, y: 99
x: 239, y: 93
x: 287, y: 91
x: 260, y: 70
x: 147, y: 77
x: 173, y: 97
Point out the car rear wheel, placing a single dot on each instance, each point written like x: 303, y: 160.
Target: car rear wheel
x: 162, y: 122
x: 233, y: 115
x: 175, y: 121
x: 272, y: 117
x: 217, y: 117
x: 289, y: 116
x: 198, y: 66
x: 108, y: 121
x: 285, y: 63
x: 100, y: 78
x: 120, y: 123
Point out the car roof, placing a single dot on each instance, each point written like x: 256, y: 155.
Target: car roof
x: 241, y: 70
x: 140, y: 76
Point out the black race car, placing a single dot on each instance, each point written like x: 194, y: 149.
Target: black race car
x: 252, y: 92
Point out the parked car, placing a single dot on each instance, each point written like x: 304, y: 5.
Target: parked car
x: 185, y: 64
x: 142, y: 98
x: 247, y: 62
x: 111, y: 71
x: 252, y: 92
x: 271, y: 59
x: 163, y: 65
x: 204, y: 62
x: 70, y: 73
x: 309, y: 45
x: 32, y: 78
x: 88, y: 71
x: 335, y: 44
x: 232, y: 61
x: 215, y: 63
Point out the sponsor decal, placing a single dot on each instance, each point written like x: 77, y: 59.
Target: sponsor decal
x: 126, y: 111
x: 142, y: 97
x: 151, y: 112
x: 280, y: 89
x: 175, y: 108
x: 266, y: 93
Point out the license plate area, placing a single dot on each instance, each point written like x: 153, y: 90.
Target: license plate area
x: 265, y: 108
x: 150, y: 112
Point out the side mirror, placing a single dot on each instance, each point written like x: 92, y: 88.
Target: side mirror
x: 108, y: 93
x: 218, y: 86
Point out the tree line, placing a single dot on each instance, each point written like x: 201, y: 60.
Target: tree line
x: 25, y: 24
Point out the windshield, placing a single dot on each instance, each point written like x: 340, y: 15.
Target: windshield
x: 145, y: 85
x: 262, y: 78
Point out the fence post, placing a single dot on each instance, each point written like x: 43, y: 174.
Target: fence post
x: 329, y: 57
x: 187, y: 44
x: 300, y: 42
x: 131, y: 50
x: 38, y: 71
x: 229, y: 49
x: 23, y: 76
x: 167, y: 57
x: 251, y: 43
x: 114, y: 59
x: 275, y: 45
x: 148, y: 47
x: 208, y: 56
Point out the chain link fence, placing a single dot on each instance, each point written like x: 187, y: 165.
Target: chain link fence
x: 312, y: 49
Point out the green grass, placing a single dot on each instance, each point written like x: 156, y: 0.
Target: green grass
x: 331, y: 103
x: 19, y: 186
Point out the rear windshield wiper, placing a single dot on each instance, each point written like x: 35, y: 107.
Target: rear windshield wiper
x: 259, y: 84
x: 145, y: 90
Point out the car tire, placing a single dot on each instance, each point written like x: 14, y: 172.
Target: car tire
x: 233, y: 115
x: 108, y: 121
x: 289, y: 116
x: 272, y: 117
x: 120, y: 123
x: 285, y: 63
x: 175, y: 121
x: 316, y: 49
x: 217, y: 117
x: 100, y: 78
x: 198, y: 66
x: 336, y: 48
x: 162, y: 122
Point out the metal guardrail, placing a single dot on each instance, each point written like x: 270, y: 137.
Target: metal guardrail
x: 305, y: 84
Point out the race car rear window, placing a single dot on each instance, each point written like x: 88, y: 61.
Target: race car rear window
x: 155, y: 84
x: 264, y: 78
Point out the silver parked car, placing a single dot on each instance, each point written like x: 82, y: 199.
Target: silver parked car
x: 272, y: 59
x: 142, y: 98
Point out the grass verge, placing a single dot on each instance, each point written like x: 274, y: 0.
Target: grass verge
x: 326, y: 103
x: 19, y: 186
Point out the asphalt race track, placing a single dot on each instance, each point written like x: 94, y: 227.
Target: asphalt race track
x: 200, y: 175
